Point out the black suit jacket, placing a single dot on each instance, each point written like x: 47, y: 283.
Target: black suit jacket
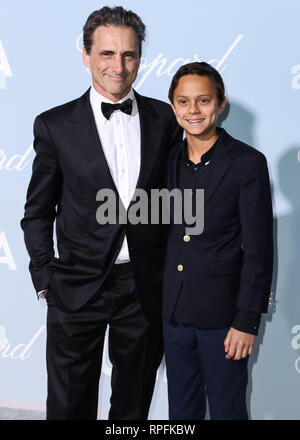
x: 229, y: 265
x: 68, y: 171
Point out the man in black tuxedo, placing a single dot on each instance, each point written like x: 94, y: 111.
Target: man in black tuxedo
x: 106, y: 274
x: 217, y: 283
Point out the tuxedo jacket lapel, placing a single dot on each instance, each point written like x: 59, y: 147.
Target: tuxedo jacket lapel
x: 151, y: 132
x: 90, y: 153
x: 84, y: 134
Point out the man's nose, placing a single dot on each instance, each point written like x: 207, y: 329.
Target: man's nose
x: 118, y: 65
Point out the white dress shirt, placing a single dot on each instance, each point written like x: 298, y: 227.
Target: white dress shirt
x: 120, y: 137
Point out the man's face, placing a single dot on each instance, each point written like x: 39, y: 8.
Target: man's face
x: 196, y: 105
x: 114, y: 60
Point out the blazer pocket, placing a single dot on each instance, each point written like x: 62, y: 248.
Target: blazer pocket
x: 226, y: 267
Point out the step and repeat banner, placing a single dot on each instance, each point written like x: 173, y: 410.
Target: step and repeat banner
x: 256, y: 47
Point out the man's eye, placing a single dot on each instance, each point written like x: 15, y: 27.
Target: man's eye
x: 203, y: 100
x: 182, y: 101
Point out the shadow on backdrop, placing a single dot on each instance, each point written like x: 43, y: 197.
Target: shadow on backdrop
x: 289, y: 239
x: 240, y: 123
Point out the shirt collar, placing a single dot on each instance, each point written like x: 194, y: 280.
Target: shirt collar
x: 96, y: 99
x: 206, y: 157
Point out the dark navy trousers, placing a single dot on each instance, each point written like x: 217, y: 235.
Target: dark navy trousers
x: 197, y: 368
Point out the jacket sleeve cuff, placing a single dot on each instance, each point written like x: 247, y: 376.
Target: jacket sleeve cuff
x: 40, y: 279
x: 247, y: 321
x: 42, y: 294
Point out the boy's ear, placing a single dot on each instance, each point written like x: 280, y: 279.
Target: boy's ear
x: 222, y: 106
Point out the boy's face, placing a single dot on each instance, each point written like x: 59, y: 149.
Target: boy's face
x: 196, y: 105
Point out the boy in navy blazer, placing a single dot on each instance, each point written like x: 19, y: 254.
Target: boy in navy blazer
x: 216, y: 284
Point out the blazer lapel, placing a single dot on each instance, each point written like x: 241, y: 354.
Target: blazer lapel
x: 219, y: 165
x: 85, y: 135
x: 151, y: 132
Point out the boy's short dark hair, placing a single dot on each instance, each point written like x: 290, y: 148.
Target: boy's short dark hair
x: 201, y: 69
x: 117, y: 16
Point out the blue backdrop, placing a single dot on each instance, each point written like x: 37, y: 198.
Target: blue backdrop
x: 256, y: 47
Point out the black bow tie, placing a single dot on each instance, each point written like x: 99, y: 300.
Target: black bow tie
x: 108, y: 109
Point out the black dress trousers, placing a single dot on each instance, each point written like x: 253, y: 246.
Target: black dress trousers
x: 74, y: 353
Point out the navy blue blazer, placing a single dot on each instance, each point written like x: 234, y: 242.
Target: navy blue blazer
x: 229, y: 265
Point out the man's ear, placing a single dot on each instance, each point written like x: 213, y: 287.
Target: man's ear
x: 86, y: 58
